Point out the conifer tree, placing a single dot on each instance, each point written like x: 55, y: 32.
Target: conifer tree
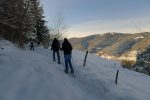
x: 18, y: 17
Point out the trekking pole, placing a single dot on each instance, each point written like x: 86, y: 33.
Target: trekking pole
x: 85, y: 58
x: 62, y: 58
x: 72, y: 61
x: 73, y: 64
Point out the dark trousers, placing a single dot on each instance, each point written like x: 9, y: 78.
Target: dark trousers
x: 32, y: 48
x: 58, y: 56
x: 68, y: 62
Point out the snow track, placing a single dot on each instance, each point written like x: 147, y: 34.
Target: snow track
x: 32, y: 75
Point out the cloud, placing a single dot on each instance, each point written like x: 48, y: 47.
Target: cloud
x: 102, y: 26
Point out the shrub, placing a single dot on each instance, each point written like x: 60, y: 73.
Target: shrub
x: 128, y: 63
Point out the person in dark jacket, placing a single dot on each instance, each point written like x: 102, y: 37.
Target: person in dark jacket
x: 67, y: 49
x: 31, y: 46
x: 56, y: 47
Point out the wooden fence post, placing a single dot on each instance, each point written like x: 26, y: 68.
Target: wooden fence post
x: 117, y: 77
x: 85, y: 58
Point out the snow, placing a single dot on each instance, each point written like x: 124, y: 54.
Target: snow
x: 141, y: 37
x: 32, y: 75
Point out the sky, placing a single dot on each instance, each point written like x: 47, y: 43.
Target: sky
x: 88, y: 17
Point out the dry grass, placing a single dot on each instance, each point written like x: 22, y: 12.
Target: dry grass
x: 128, y: 63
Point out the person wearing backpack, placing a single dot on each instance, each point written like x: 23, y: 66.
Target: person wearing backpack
x: 67, y: 49
x: 56, y: 47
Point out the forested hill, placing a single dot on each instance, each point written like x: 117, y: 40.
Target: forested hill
x: 114, y: 44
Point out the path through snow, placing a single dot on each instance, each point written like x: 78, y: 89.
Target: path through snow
x: 32, y: 75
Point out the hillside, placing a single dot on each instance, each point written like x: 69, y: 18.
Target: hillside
x: 143, y: 62
x: 113, y: 44
x: 32, y: 75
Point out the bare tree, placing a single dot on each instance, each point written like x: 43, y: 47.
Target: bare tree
x: 59, y: 26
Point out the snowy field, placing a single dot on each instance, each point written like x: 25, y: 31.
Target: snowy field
x: 32, y: 75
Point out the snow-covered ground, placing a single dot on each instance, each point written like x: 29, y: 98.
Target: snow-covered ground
x: 32, y: 75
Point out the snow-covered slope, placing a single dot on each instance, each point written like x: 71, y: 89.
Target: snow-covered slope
x: 32, y: 75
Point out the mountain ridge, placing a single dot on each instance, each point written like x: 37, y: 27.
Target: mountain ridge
x: 113, y: 44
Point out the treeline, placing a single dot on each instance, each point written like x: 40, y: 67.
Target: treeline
x: 143, y: 62
x: 22, y: 20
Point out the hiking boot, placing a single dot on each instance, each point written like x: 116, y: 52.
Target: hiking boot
x: 59, y: 62
x: 72, y: 72
x: 66, y: 71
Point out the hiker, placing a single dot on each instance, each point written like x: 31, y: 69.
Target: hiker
x: 67, y: 49
x: 31, y: 46
x: 56, y: 47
